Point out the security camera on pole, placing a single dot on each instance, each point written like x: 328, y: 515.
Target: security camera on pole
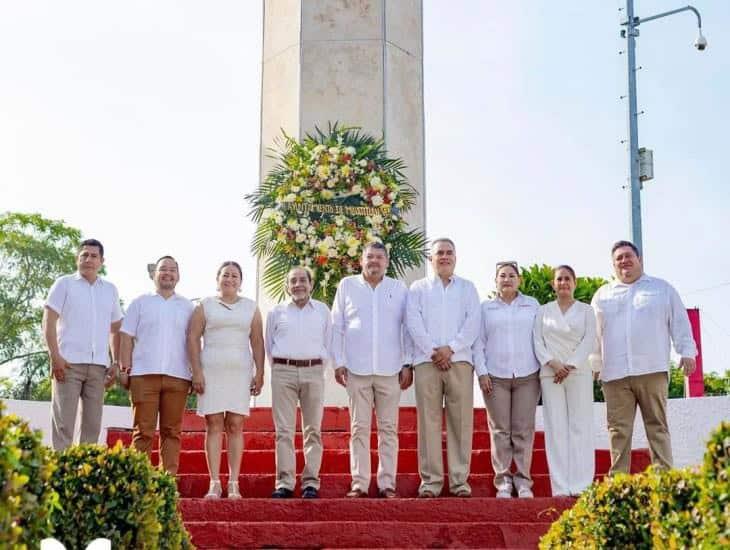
x: 641, y: 161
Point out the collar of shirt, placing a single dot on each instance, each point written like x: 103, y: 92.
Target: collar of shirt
x: 436, y: 280
x: 643, y: 279
x: 309, y: 304
x: 78, y: 277
x: 519, y: 299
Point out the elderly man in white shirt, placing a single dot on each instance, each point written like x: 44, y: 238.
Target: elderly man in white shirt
x: 298, y: 340
x: 372, y: 352
x: 638, y: 316
x: 81, y: 323
x: 153, y: 354
x: 443, y: 321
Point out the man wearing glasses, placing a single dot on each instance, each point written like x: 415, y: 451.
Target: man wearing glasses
x: 443, y: 319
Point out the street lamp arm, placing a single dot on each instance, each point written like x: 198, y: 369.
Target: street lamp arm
x: 639, y: 20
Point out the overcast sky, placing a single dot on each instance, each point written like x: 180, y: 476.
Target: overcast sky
x: 138, y: 123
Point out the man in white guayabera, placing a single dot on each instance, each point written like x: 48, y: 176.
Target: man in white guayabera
x: 81, y: 323
x: 372, y: 352
x: 637, y: 317
x: 298, y: 339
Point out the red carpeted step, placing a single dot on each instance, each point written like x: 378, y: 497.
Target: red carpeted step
x: 337, y: 461
x: 363, y: 534
x: 334, y: 419
x: 375, y: 509
x: 262, y: 441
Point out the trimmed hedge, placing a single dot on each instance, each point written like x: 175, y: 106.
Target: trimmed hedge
x: 26, y: 499
x: 117, y: 494
x: 687, y: 508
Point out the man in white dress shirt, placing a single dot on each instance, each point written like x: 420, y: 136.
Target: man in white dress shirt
x: 81, y: 323
x: 443, y: 321
x: 298, y: 339
x: 638, y: 316
x: 372, y: 354
x: 154, y: 355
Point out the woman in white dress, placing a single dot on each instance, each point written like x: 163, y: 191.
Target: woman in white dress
x: 231, y: 330
x: 564, y: 337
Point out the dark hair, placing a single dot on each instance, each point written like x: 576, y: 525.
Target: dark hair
x: 166, y: 258
x: 375, y: 245
x: 442, y: 240
x: 306, y: 270
x: 621, y: 244
x: 566, y: 267
x: 511, y: 264
x: 92, y: 242
x: 229, y: 263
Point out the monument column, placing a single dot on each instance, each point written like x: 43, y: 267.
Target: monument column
x: 356, y: 62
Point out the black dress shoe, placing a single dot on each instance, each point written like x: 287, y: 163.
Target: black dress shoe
x: 282, y: 492
x: 310, y: 492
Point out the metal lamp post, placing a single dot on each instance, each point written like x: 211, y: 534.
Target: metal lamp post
x: 631, y: 31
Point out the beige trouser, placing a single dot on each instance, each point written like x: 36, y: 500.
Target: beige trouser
x: 154, y: 394
x: 511, y: 417
x: 453, y: 389
x: 83, y: 381
x: 649, y: 391
x: 289, y: 386
x: 363, y: 393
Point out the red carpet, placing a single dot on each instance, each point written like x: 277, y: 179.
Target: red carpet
x: 335, y: 522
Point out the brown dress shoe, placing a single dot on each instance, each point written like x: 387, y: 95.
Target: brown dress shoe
x: 356, y: 493
x: 387, y: 493
x: 426, y: 494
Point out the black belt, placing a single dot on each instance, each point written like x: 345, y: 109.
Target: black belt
x: 298, y: 362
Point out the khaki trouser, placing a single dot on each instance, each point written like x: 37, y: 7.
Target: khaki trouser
x: 649, y: 391
x: 158, y: 393
x: 511, y: 417
x: 453, y: 389
x: 83, y: 381
x: 289, y: 386
x: 384, y: 393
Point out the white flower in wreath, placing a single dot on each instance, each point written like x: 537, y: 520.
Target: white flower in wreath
x: 391, y: 195
x: 318, y: 149
x: 374, y: 180
x: 377, y: 200
x: 311, y: 230
x: 345, y: 170
x: 292, y: 224
x: 362, y: 163
x: 307, y: 261
x: 313, y: 242
x: 301, y: 237
x: 356, y: 189
x: 339, y: 221
x: 350, y: 150
x: 352, y: 252
x: 332, y: 253
x: 291, y: 197
x: 334, y: 151
x: 278, y: 217
x: 303, y: 222
x: 295, y: 188
x: 388, y: 246
x: 376, y: 219
x: 267, y: 213
x: 327, y: 194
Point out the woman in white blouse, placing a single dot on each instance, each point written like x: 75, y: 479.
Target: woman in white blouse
x: 564, y: 336
x: 508, y: 376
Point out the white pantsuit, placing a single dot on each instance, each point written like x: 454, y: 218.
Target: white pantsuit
x: 570, y: 338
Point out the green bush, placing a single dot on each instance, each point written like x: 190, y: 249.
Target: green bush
x: 688, y: 508
x: 26, y: 498
x: 115, y: 493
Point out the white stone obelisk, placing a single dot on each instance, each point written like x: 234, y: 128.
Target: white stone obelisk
x: 356, y: 62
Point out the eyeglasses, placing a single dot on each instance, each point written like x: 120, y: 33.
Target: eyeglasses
x: 510, y: 263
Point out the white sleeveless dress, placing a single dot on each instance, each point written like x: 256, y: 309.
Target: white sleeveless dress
x: 226, y: 357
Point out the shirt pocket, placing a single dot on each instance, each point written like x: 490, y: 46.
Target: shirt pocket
x: 646, y: 301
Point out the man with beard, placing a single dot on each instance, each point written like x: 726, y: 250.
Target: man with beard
x: 153, y: 354
x: 372, y: 355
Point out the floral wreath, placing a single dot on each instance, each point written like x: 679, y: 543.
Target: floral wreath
x: 327, y: 197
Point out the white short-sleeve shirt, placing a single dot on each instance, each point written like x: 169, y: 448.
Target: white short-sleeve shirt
x: 159, y: 328
x: 85, y: 314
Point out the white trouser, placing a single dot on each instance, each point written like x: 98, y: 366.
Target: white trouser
x: 569, y: 442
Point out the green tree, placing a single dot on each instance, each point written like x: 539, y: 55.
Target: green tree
x: 34, y: 251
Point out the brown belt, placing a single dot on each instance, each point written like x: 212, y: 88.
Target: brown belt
x: 298, y: 362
